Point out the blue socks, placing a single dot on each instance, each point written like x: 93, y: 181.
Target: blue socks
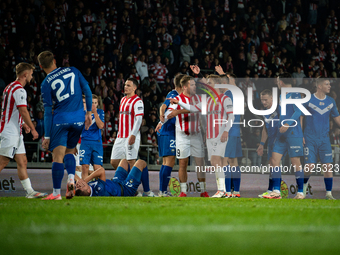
x: 161, y: 172
x: 236, y: 175
x: 70, y: 164
x: 271, y: 185
x: 57, y: 174
x: 299, y: 175
x: 276, y: 178
x: 166, y: 177
x: 328, y: 183
x: 227, y: 174
x: 145, y: 179
x: 137, y: 174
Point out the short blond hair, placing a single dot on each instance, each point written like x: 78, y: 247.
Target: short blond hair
x: 22, y: 67
x: 45, y: 59
x: 184, y: 81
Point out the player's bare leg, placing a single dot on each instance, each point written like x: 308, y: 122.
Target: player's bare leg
x: 201, y: 176
x: 216, y: 161
x: 21, y: 160
x: 183, y: 175
x: 85, y: 171
x: 131, y: 162
x: 3, y: 162
x: 115, y: 163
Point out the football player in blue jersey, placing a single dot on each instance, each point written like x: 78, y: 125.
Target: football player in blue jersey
x: 91, y: 148
x: 167, y: 140
x: 289, y: 139
x: 269, y: 132
x: 62, y: 89
x: 123, y: 184
x: 316, y: 135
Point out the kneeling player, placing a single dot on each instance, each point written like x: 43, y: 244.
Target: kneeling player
x: 123, y: 184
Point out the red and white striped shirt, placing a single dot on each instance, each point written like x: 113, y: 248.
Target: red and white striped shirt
x: 189, y: 123
x: 159, y: 70
x: 14, y: 96
x: 129, y: 109
x: 217, y: 111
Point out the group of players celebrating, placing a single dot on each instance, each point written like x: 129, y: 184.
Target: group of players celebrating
x: 71, y: 112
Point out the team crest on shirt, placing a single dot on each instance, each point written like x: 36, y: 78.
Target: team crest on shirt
x: 131, y: 181
x: 306, y: 158
x: 329, y: 107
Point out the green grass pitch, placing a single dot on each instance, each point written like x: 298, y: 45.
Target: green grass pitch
x: 169, y: 226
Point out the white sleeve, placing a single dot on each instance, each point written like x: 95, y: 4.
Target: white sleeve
x: 231, y: 118
x: 136, y: 125
x: 139, y: 108
x: 189, y: 107
x: 20, y: 97
x: 228, y: 107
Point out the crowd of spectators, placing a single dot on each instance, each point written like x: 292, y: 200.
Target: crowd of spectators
x: 153, y: 40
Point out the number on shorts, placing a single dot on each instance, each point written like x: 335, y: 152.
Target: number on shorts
x: 172, y: 144
x: 81, y: 153
x: 306, y: 149
x: 62, y: 87
x: 178, y: 152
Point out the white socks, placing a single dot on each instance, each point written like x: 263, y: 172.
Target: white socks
x: 56, y: 192
x: 184, y: 187
x: 26, y: 184
x: 202, y: 186
x: 79, y: 174
x: 70, y: 178
x: 220, y: 184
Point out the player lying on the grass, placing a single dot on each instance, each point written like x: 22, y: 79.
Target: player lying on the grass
x: 269, y: 132
x: 14, y: 111
x: 316, y: 134
x: 123, y: 184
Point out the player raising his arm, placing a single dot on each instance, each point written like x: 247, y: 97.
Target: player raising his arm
x: 63, y: 88
x: 13, y: 113
x: 316, y: 134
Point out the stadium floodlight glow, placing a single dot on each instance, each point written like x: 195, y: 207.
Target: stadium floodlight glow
x: 238, y: 102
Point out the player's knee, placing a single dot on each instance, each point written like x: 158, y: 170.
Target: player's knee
x: 124, y: 164
x: 114, y: 163
x: 141, y: 164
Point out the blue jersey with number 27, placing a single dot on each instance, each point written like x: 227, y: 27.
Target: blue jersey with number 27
x: 63, y: 88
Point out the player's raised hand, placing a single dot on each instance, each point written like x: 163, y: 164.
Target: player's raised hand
x: 219, y: 70
x: 260, y: 150
x: 132, y: 139
x: 88, y: 120
x: 46, y: 144
x: 34, y: 134
x: 195, y: 69
x: 158, y: 128
x: 172, y: 100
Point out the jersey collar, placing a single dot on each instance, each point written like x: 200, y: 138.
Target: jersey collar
x: 319, y: 98
x: 55, y: 70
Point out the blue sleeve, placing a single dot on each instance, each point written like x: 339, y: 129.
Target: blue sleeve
x: 47, y: 100
x: 102, y: 115
x: 167, y: 102
x: 334, y: 111
x: 48, y: 121
x: 296, y: 115
x: 85, y: 88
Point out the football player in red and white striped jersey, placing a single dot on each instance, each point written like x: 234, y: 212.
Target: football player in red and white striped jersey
x: 218, y: 126
x: 188, y: 136
x: 13, y: 113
